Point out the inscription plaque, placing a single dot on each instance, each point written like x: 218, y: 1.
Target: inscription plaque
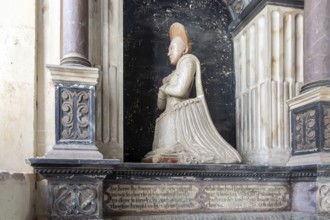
x: 246, y: 197
x: 215, y: 196
x: 128, y: 197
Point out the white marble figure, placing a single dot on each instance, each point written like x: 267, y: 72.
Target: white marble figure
x: 184, y: 132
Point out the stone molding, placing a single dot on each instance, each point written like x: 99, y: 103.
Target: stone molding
x: 74, y: 74
x: 115, y: 168
x: 251, y: 8
x: 320, y: 94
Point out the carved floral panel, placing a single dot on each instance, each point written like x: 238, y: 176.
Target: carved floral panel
x: 75, y: 115
x: 74, y: 200
x: 305, y: 131
x: 324, y: 198
x: 75, y: 121
x: 326, y: 124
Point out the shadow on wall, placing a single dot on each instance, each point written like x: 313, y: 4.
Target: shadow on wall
x: 146, y: 24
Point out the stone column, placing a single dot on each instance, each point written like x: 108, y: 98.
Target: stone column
x: 75, y: 33
x: 74, y: 82
x: 269, y: 71
x: 317, y: 44
x: 310, y: 111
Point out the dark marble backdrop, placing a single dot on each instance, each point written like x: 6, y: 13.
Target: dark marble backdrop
x: 146, y: 24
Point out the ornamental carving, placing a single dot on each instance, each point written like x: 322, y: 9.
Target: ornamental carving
x: 326, y: 121
x: 75, y: 115
x: 305, y: 131
x: 73, y: 200
x: 324, y: 195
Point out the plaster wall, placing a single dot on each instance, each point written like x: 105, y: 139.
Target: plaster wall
x: 17, y: 196
x: 17, y: 84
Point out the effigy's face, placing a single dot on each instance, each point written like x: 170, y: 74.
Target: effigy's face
x: 176, y: 50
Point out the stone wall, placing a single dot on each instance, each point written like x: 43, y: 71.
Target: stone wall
x: 18, y: 94
x: 17, y: 196
x: 17, y: 84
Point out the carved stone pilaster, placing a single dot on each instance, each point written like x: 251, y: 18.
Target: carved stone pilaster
x: 74, y: 112
x: 310, y: 127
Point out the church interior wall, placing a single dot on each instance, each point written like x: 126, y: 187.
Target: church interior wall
x: 18, y: 111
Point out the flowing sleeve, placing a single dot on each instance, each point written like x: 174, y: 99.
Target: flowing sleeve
x: 186, y: 70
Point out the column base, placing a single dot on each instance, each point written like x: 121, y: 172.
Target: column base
x: 272, y: 157
x: 75, y: 60
x: 308, y: 159
x: 74, y: 152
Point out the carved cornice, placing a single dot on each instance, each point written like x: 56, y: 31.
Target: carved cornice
x: 115, y: 169
x: 72, y: 171
x: 243, y: 11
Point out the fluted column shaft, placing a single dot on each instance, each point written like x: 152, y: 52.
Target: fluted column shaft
x: 75, y: 33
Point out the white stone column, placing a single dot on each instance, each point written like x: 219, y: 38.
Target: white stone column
x: 269, y: 71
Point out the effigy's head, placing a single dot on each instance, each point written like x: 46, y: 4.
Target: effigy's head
x: 180, y: 42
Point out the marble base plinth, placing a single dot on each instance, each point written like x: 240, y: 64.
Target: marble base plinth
x: 307, y: 159
x: 228, y: 216
x: 273, y: 157
x: 74, y: 154
x: 115, y: 190
x: 310, y: 127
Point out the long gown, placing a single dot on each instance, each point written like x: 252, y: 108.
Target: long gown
x: 185, y: 130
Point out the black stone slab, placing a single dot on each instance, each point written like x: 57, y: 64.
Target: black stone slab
x: 146, y: 42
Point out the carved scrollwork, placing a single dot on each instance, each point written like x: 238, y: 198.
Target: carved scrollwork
x: 75, y: 115
x: 73, y: 200
x: 326, y: 121
x: 324, y: 195
x: 305, y: 131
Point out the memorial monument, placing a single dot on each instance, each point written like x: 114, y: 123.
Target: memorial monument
x: 265, y: 34
x: 184, y: 132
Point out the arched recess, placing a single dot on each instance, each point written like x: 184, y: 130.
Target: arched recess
x: 145, y: 32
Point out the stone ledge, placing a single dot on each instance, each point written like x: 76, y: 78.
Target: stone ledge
x: 142, y: 170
